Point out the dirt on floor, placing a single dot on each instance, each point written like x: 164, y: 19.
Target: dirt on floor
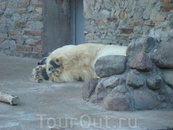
x: 59, y: 106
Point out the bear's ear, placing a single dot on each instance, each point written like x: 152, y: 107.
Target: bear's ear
x: 60, y: 59
x: 57, y: 60
x: 42, y: 61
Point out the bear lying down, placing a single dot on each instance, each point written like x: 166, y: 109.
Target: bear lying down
x: 73, y: 63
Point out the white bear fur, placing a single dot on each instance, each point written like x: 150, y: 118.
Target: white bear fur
x: 77, y: 62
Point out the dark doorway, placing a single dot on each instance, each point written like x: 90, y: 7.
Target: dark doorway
x: 63, y: 22
x: 56, y: 22
x: 76, y: 22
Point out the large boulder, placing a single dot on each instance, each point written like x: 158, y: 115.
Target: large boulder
x: 111, y: 82
x: 141, y: 62
x: 88, y: 88
x: 135, y: 79
x: 133, y: 49
x: 116, y: 101
x: 143, y: 45
x: 144, y: 99
x: 170, y: 95
x: 167, y: 76
x: 163, y: 56
x: 110, y: 65
x: 149, y: 44
x: 154, y: 82
x: 95, y: 90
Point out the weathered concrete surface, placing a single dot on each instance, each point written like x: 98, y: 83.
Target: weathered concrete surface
x: 62, y: 103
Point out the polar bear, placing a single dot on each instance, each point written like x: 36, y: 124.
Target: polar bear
x: 74, y: 62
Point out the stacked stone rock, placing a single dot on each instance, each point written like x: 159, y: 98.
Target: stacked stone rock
x: 21, y: 27
x: 140, y: 81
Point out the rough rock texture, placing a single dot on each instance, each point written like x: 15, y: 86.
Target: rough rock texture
x: 105, y: 21
x: 21, y: 24
x: 167, y: 76
x: 135, y: 79
x: 123, y: 21
x: 110, y: 65
x: 110, y: 82
x: 170, y: 95
x: 163, y: 56
x: 149, y: 44
x: 141, y: 62
x: 89, y: 88
x: 154, y: 82
x: 145, y: 99
x: 143, y: 45
x: 116, y: 101
x: 142, y: 86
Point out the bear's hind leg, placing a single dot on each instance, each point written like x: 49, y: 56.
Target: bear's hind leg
x: 40, y: 74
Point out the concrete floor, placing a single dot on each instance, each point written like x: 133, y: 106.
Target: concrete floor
x: 60, y: 106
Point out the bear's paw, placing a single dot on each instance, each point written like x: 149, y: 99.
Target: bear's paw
x: 40, y: 74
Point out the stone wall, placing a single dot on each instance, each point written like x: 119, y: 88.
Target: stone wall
x: 106, y: 21
x: 121, y: 21
x: 21, y: 27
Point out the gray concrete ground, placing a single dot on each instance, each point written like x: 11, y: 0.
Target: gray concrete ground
x: 60, y: 106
